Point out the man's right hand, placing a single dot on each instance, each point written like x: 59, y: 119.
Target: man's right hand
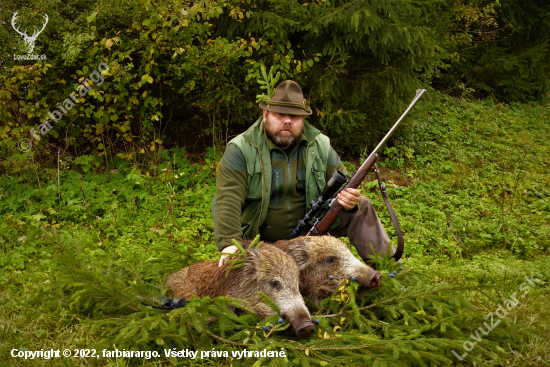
x: 230, y: 250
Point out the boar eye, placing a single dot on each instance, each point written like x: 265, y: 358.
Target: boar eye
x: 332, y: 259
x: 274, y: 284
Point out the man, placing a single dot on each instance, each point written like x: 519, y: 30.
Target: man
x: 269, y: 174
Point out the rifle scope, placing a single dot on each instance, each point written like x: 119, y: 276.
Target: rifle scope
x: 333, y: 185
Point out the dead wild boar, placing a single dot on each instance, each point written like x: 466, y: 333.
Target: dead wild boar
x: 266, y: 269
x: 318, y: 257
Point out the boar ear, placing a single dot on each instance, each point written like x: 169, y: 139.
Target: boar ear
x: 251, y: 260
x: 301, y: 253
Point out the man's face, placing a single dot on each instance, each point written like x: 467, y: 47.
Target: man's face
x: 283, y: 130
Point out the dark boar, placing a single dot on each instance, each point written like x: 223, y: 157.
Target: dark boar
x: 267, y: 269
x: 318, y: 257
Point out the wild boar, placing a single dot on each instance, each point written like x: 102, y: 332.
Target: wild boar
x: 266, y: 269
x: 318, y: 258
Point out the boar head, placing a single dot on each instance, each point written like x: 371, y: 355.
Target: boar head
x: 319, y: 257
x: 273, y: 272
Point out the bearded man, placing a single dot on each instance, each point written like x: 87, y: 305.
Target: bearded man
x: 269, y: 174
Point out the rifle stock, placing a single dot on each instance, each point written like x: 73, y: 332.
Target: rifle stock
x: 324, y: 224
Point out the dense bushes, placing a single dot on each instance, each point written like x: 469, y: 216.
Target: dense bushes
x: 178, y: 71
x: 504, y: 50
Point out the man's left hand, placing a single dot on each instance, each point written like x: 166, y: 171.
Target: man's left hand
x: 349, y: 198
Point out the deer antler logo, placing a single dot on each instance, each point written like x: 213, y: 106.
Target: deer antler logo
x: 29, y: 39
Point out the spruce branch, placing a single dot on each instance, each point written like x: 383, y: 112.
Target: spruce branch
x: 256, y: 242
x: 406, y: 321
x: 269, y: 302
x: 268, y: 83
x: 239, y: 261
x: 227, y: 340
x: 238, y: 245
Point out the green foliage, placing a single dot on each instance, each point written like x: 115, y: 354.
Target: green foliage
x: 406, y: 320
x: 268, y: 82
x: 94, y: 290
x: 177, y: 69
x: 85, y: 162
x: 499, y: 48
x: 472, y: 236
x: 469, y: 180
x: 238, y: 262
x: 125, y: 208
x: 476, y: 179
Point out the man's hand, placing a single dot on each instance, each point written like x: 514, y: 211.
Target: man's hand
x: 230, y: 250
x: 349, y: 198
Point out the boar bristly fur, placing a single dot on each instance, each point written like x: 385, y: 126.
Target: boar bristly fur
x: 268, y: 270
x: 318, y: 257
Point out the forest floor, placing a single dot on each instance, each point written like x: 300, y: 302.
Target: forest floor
x: 469, y: 181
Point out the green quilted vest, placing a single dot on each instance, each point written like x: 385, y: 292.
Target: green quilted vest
x: 253, y: 145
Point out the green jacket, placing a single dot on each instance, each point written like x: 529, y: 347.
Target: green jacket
x: 252, y: 166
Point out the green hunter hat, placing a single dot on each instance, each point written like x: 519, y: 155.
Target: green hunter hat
x: 287, y: 99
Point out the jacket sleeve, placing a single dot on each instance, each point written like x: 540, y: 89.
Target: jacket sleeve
x: 231, y: 189
x: 334, y: 162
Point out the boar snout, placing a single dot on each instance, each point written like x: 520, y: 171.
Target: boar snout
x: 375, y: 280
x: 304, y: 329
x: 371, y: 280
x: 301, y: 321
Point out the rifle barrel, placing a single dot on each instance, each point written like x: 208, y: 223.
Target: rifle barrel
x: 419, y: 93
x: 323, y: 224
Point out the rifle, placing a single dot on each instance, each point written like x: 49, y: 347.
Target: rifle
x: 324, y: 211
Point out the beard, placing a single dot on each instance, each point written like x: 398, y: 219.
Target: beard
x: 280, y: 138
x: 283, y: 141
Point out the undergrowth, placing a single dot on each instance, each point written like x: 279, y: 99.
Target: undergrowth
x: 469, y: 182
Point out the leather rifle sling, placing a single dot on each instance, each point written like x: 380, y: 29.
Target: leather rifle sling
x: 395, y: 221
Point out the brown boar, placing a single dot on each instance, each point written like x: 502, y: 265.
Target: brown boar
x: 319, y: 257
x: 266, y: 269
